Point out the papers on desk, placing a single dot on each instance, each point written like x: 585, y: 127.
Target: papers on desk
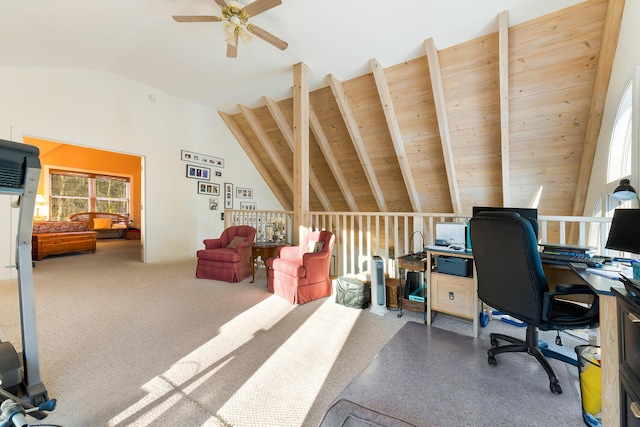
x: 611, y: 274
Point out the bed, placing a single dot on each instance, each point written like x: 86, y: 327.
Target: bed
x: 107, y: 225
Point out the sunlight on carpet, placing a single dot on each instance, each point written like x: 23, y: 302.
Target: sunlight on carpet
x: 294, y: 373
x: 202, y: 362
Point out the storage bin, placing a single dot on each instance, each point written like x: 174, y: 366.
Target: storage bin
x: 590, y: 384
x: 454, y: 265
x: 352, y: 292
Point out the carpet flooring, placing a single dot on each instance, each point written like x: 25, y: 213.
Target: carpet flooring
x: 124, y: 343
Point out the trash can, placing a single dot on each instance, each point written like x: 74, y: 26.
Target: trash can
x: 590, y: 377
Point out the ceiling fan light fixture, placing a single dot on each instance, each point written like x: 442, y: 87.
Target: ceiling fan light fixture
x: 245, y: 36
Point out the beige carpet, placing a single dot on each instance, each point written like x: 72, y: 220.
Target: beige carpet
x: 129, y: 344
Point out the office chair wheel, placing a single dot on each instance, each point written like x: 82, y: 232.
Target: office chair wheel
x: 491, y: 359
x: 494, y: 342
x: 555, y: 388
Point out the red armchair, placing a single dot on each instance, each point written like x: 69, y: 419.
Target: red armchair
x: 219, y: 261
x: 299, y: 274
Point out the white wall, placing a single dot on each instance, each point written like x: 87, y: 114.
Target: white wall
x: 102, y: 110
x: 626, y: 59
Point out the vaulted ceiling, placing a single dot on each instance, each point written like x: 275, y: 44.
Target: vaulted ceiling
x: 511, y: 117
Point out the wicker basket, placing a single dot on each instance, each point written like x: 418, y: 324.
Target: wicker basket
x: 412, y: 262
x: 417, y: 306
x: 394, y: 293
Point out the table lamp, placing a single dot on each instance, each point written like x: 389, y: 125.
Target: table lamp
x: 625, y: 191
x: 39, y: 202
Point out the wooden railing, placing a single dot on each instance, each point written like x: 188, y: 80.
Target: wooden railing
x: 390, y: 235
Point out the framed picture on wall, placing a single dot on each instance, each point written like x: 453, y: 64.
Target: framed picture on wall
x: 208, y: 188
x: 228, y: 195
x: 190, y: 156
x: 244, y: 193
x: 248, y: 206
x: 198, y: 172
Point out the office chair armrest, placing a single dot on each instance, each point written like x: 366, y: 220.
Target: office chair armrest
x: 560, y: 312
x: 573, y: 289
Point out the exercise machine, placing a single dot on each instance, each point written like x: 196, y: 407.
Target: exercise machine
x: 19, y: 175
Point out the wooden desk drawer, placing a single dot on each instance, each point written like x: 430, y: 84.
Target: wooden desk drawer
x: 629, y: 334
x: 452, y: 294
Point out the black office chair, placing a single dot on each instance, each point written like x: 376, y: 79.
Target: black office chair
x: 511, y: 280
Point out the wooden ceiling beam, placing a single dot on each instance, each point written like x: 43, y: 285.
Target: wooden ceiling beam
x: 599, y: 95
x: 358, y: 142
x: 503, y: 65
x: 394, y: 131
x: 325, y: 147
x: 287, y: 132
x: 263, y: 137
x: 255, y: 159
x: 443, y: 123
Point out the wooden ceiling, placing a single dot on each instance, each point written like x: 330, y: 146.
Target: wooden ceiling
x: 493, y: 121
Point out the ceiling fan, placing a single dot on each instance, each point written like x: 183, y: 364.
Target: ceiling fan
x: 237, y: 26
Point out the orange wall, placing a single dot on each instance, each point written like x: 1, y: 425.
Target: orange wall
x: 90, y: 159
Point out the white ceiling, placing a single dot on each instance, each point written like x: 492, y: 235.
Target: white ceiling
x: 139, y: 40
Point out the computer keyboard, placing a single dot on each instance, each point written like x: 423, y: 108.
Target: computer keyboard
x: 595, y: 261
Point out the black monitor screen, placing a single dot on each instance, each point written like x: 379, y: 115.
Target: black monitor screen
x: 624, y: 234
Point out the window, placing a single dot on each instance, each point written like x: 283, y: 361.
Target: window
x: 621, y: 137
x: 86, y: 192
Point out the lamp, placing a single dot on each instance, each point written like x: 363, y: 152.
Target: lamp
x: 625, y: 191
x: 624, y: 234
x: 39, y: 202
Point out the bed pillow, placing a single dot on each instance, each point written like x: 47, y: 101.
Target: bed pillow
x: 235, y: 242
x: 101, y: 223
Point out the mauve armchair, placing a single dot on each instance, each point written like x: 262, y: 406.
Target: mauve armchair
x: 300, y: 275
x: 218, y: 261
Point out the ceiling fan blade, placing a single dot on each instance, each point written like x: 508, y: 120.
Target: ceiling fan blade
x: 268, y: 37
x: 232, y: 51
x: 197, y: 18
x: 259, y: 6
x: 221, y: 3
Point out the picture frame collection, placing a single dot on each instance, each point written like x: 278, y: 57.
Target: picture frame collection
x: 199, y: 167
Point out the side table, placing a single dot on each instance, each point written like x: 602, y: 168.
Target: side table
x: 264, y: 251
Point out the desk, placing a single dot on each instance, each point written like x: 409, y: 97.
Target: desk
x: 608, y: 343
x: 264, y: 251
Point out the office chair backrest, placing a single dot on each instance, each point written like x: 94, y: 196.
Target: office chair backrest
x: 509, y: 271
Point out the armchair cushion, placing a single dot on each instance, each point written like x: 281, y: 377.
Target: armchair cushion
x: 313, y: 246
x: 234, y: 242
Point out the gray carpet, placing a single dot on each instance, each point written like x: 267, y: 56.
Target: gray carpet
x: 129, y: 344
x: 451, y: 384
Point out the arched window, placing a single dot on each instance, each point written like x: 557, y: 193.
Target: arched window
x: 621, y: 139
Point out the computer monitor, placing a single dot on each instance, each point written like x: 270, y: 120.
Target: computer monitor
x: 531, y: 213
x: 624, y: 234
